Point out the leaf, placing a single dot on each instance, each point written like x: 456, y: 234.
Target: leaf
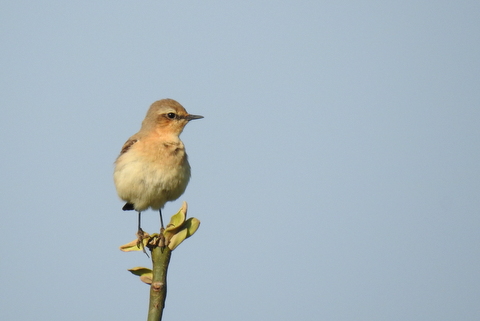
x: 147, y: 278
x: 145, y: 274
x: 188, y: 229
x: 176, y: 221
x: 140, y: 270
x: 132, y: 246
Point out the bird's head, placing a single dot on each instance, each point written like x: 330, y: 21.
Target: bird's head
x: 168, y: 117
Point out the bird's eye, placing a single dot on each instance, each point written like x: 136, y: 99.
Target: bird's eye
x: 171, y: 115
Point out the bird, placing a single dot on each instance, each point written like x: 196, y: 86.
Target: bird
x: 152, y: 168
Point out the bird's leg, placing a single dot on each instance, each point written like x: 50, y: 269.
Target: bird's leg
x: 140, y: 235
x: 161, y: 219
x: 161, y: 239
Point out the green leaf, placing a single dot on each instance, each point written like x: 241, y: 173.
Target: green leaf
x: 188, y: 229
x: 132, y: 246
x: 146, y: 275
x: 176, y: 221
x: 140, y: 270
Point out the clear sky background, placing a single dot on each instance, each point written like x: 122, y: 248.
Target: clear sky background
x: 336, y: 172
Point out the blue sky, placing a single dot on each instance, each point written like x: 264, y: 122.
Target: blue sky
x: 336, y: 172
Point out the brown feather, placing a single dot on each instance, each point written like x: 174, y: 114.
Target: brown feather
x: 127, y: 145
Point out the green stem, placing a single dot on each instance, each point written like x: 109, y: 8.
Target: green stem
x: 158, y: 288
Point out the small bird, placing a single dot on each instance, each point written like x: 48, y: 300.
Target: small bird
x: 152, y: 167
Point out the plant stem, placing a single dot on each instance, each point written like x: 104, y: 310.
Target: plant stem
x: 158, y: 288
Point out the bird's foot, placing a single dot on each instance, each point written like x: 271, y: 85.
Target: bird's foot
x: 140, y: 238
x: 161, y: 242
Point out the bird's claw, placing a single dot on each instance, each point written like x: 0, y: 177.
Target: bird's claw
x: 140, y: 238
x: 161, y: 242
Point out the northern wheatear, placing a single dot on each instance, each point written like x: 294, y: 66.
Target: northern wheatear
x: 152, y: 167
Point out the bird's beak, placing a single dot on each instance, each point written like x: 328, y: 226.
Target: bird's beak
x: 192, y: 117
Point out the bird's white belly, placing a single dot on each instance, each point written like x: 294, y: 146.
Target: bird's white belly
x: 149, y: 184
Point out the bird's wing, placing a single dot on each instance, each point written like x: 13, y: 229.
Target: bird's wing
x: 127, y: 145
